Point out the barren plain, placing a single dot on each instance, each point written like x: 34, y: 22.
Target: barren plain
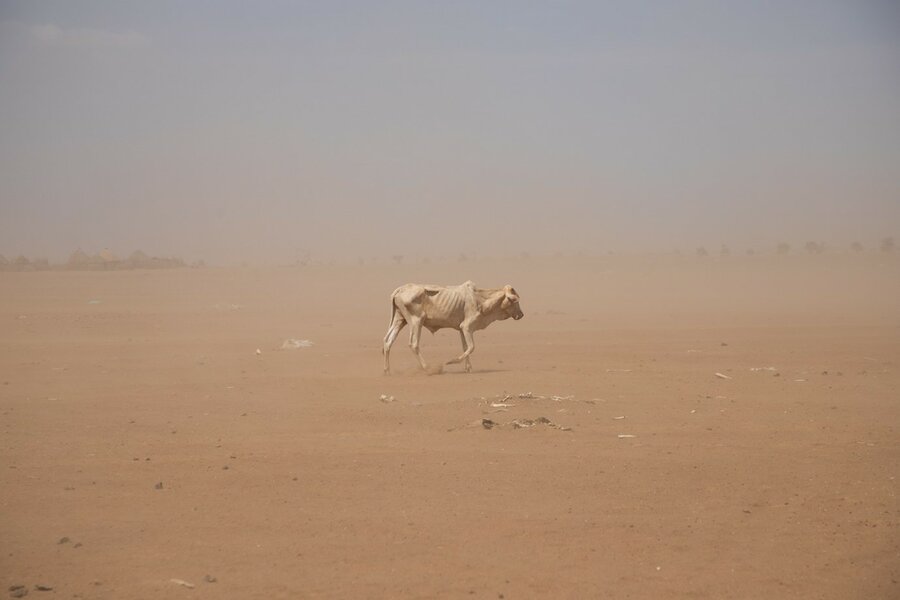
x: 148, y: 447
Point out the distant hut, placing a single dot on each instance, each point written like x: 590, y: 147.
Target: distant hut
x: 4, y: 262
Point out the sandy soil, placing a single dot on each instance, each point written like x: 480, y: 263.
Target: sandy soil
x: 284, y: 476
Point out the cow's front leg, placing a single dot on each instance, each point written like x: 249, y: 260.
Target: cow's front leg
x: 462, y: 338
x: 468, y: 348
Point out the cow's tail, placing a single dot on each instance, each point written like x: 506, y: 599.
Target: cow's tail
x: 394, y: 308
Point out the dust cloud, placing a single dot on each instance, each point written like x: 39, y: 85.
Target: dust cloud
x: 203, y: 213
x: 335, y: 133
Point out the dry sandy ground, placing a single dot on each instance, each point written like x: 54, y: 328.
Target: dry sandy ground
x: 284, y: 476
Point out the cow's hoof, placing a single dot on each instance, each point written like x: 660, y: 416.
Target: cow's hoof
x: 434, y: 369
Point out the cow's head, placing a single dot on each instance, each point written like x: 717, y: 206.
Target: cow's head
x: 509, y: 305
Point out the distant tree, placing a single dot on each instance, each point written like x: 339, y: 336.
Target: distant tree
x: 783, y: 248
x: 887, y: 245
x: 814, y: 248
x: 462, y: 257
x: 397, y: 258
x: 856, y: 247
x: 701, y: 251
x: 724, y: 250
x: 750, y: 251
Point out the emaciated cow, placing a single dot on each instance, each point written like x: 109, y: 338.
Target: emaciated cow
x: 462, y: 307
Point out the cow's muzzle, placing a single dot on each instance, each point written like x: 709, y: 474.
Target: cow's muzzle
x: 518, y: 316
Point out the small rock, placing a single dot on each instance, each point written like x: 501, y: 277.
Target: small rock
x: 18, y: 591
x: 78, y: 545
x: 43, y: 588
x: 63, y: 540
x: 182, y: 583
x: 210, y: 579
x: 488, y: 424
x: 158, y: 486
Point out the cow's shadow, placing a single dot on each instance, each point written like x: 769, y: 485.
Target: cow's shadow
x: 474, y: 371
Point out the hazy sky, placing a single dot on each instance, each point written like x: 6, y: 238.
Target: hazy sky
x: 266, y: 130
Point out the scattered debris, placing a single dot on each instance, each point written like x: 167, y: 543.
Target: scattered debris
x: 722, y: 376
x: 63, y: 540
x: 618, y: 370
x: 293, y: 344
x: 528, y: 395
x: 210, y: 579
x: 520, y: 424
x: 386, y: 399
x: 18, y: 591
x: 183, y: 583
x: 561, y: 398
x: 763, y: 369
x: 228, y: 306
x: 158, y: 486
x: 625, y: 435
x: 525, y: 423
x: 43, y: 588
x: 800, y: 380
x: 93, y: 302
x: 501, y: 405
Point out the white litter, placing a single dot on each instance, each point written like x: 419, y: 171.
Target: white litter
x: 626, y: 435
x: 385, y: 398
x: 501, y: 405
x: 799, y: 380
x: 722, y: 376
x: 763, y: 369
x: 618, y: 370
x: 258, y: 351
x: 183, y: 583
x: 618, y: 418
x: 293, y: 344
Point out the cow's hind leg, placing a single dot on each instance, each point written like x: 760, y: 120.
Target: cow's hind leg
x: 415, y: 326
x: 397, y: 323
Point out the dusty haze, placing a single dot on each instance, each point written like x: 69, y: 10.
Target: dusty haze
x: 232, y: 132
x: 663, y: 423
